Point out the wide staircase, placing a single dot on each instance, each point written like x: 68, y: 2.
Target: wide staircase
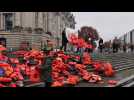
x: 118, y: 60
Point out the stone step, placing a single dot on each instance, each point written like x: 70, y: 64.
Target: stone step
x: 126, y: 59
x: 125, y: 81
x: 125, y: 62
x: 115, y: 58
x: 40, y: 84
x: 129, y: 85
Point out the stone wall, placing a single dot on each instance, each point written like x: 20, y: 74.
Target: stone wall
x: 13, y: 40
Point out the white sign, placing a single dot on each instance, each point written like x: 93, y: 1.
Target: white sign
x: 70, y: 31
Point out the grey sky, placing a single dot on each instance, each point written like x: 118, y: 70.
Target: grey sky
x: 108, y: 24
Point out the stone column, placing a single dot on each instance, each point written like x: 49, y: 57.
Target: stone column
x: 40, y: 20
x: 48, y: 21
x: 17, y: 19
x: 14, y: 19
x: 21, y: 19
x: 43, y: 20
x: 36, y: 19
x: 3, y: 18
x: 0, y: 21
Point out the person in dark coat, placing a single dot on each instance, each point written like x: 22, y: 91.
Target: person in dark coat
x: 115, y: 45
x: 64, y: 40
x: 132, y: 47
x: 101, y: 45
x: 90, y: 50
x: 46, y: 71
x: 46, y: 68
x: 124, y: 47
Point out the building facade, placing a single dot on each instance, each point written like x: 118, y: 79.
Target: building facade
x: 53, y: 22
x: 128, y: 38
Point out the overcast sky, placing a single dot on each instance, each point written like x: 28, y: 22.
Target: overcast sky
x: 108, y: 24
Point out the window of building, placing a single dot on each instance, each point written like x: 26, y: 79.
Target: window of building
x: 8, y: 21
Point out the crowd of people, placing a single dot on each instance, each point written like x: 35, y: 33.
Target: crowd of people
x: 115, y: 46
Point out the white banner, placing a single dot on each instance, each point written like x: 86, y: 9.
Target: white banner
x: 70, y: 31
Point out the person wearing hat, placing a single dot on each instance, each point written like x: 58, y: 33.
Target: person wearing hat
x: 48, y: 46
x: 46, y: 68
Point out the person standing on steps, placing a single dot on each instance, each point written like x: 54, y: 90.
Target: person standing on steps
x: 132, y: 48
x: 109, y: 46
x: 101, y: 45
x: 124, y: 47
x: 115, y: 45
x: 46, y: 69
x: 64, y: 40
